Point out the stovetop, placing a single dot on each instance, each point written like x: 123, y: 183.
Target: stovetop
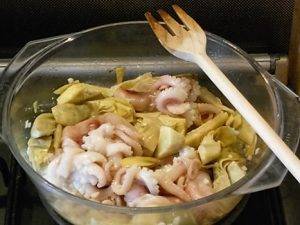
x: 20, y: 203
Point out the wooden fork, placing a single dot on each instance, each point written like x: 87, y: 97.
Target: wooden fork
x: 188, y: 42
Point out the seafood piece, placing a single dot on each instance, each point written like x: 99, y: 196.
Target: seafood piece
x: 118, y: 148
x: 43, y: 125
x: 149, y: 200
x: 50, y: 172
x: 136, y: 191
x: 169, y: 186
x: 98, y: 139
x: 171, y: 96
x: 148, y: 178
x: 140, y: 101
x: 77, y: 131
x: 137, y: 148
x: 199, y: 187
x: 167, y: 81
x: 121, y: 185
x: 70, y: 149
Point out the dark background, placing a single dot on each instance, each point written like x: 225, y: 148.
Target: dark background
x: 255, y: 25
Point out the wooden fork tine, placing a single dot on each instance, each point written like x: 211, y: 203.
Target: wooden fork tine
x: 170, y: 22
x: 161, y: 33
x: 188, y: 21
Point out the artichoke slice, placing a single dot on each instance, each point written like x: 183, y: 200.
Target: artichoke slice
x: 43, y: 125
x: 70, y: 114
x: 140, y: 161
x: 194, y: 137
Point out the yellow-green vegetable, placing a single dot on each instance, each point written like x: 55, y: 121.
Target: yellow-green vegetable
x: 226, y: 135
x: 246, y: 133
x: 178, y: 124
x: 120, y: 73
x: 141, y: 84
x: 250, y: 149
x: 148, y: 127
x: 39, y: 151
x: 57, y: 136
x: 79, y: 93
x: 234, y: 120
x: 140, y: 161
x: 221, y: 178
x: 113, y: 105
x: 209, y: 149
x: 235, y: 172
x: 208, y: 97
x: 70, y: 114
x: 169, y: 142
x: 194, y: 137
x: 43, y: 125
x: 61, y: 89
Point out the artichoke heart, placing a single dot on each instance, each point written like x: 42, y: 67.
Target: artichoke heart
x: 70, y: 114
x: 206, y: 96
x: 246, y: 132
x: 39, y: 151
x: 235, y: 172
x: 178, y: 124
x: 112, y: 105
x: 61, y: 89
x: 226, y: 135
x: 43, y: 125
x: 194, y: 137
x: 141, y: 84
x: 221, y: 178
x: 79, y: 93
x: 148, y: 126
x: 209, y: 149
x: 169, y: 142
x: 140, y: 161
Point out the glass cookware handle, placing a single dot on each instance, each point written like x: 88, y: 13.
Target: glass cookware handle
x: 24, y: 58
x: 289, y: 104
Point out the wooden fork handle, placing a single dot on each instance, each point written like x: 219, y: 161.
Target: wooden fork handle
x: 262, y: 128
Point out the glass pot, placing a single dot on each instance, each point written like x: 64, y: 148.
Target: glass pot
x: 91, y: 56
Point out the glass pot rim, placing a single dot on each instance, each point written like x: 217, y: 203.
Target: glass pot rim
x: 37, y: 178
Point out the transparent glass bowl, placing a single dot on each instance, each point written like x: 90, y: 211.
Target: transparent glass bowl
x: 91, y: 56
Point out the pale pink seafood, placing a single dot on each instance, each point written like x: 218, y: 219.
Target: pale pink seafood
x: 136, y: 191
x: 167, y: 81
x: 195, y: 90
x: 204, y: 108
x: 169, y: 186
x: 77, y: 131
x: 118, y: 148
x: 178, y: 109
x: 122, y: 184
x: 70, y: 149
x: 98, y: 139
x: 137, y: 148
x: 108, y: 170
x: 148, y: 200
x: 193, y: 169
x: 147, y: 177
x: 88, y: 176
x: 199, y: 187
x: 51, y: 172
x: 140, y: 101
x: 170, y: 96
x: 85, y: 158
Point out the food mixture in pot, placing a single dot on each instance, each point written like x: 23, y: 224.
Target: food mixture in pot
x: 149, y: 141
